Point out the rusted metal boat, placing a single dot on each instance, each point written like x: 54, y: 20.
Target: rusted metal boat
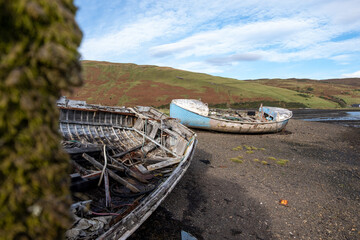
x: 196, y: 114
x: 125, y: 162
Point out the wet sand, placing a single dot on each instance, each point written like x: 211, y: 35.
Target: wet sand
x: 221, y: 199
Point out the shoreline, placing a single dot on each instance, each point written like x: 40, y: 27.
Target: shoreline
x: 348, y: 118
x: 299, y: 113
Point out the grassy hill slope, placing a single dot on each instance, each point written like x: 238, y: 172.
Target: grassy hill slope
x: 130, y: 84
x: 344, y: 92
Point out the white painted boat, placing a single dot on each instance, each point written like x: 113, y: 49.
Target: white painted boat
x: 196, y: 114
x: 125, y: 162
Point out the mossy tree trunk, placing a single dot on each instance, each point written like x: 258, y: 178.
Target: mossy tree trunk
x: 38, y: 61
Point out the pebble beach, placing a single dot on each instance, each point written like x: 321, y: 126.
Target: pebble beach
x: 234, y: 186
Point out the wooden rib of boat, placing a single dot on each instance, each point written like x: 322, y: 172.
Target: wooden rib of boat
x: 196, y: 114
x: 125, y: 162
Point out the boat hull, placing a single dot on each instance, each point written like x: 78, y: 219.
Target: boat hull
x: 194, y: 120
x: 118, y: 128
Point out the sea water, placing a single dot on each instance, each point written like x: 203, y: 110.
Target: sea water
x: 351, y: 119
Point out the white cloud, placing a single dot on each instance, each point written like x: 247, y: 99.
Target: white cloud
x: 283, y: 26
x: 340, y: 12
x: 322, y: 50
x: 126, y: 39
x: 198, y: 67
x: 212, y: 36
x: 352, y: 75
x: 344, y: 59
x: 239, y: 38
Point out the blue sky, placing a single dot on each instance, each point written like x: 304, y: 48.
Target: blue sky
x: 245, y: 39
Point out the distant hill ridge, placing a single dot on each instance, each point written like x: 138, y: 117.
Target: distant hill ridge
x: 130, y: 84
x: 345, y: 81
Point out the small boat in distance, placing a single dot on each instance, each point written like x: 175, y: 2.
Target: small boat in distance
x: 196, y: 114
x: 125, y: 162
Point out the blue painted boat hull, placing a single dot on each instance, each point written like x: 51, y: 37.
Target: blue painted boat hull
x: 194, y: 120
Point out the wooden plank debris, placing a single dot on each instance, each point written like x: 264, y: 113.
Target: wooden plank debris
x: 79, y: 168
x: 130, y: 172
x: 111, y: 173
x: 152, y: 159
x: 76, y: 150
x: 139, y: 124
x: 142, y: 169
x: 148, y: 147
x: 107, y: 189
x: 93, y: 174
x: 79, y: 204
x: 180, y: 146
x: 154, y: 130
x: 119, y: 155
x: 163, y: 164
x: 158, y: 144
x: 117, y: 168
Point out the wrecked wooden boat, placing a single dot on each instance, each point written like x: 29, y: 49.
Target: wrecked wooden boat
x: 196, y: 114
x: 125, y: 162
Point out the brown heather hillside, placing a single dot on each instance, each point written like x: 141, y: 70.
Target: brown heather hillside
x: 355, y: 82
x: 130, y: 84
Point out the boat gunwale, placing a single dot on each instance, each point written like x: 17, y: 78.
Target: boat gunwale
x: 100, y: 110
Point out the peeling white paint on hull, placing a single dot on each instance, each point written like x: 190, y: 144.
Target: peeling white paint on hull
x: 266, y: 120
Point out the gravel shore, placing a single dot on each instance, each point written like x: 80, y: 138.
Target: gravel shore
x: 220, y: 198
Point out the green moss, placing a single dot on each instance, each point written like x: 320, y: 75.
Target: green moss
x: 237, y: 160
x: 39, y: 61
x: 272, y: 158
x: 247, y: 147
x: 256, y: 160
x: 250, y: 152
x: 237, y: 148
x: 282, y: 162
x: 264, y: 162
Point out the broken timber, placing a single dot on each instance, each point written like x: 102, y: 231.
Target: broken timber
x: 119, y: 155
x: 111, y: 173
x: 137, y: 139
x: 163, y: 164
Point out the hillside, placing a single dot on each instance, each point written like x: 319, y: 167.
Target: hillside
x: 345, y: 81
x: 130, y: 84
x: 344, y: 92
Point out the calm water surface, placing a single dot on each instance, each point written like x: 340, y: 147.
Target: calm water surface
x: 342, y: 117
